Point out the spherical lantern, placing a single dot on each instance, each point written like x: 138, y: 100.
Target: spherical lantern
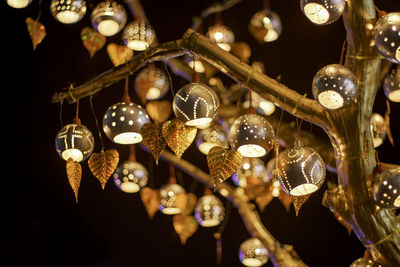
x: 18, y: 3
x: 122, y: 122
x: 253, y: 253
x: 265, y: 24
x: 168, y: 198
x: 387, y: 36
x: 221, y: 35
x: 322, y: 12
x: 130, y: 176
x: 138, y: 35
x: 378, y: 129
x: 153, y: 81
x: 261, y: 105
x: 209, y: 137
x: 196, y: 104
x: 209, y: 211
x: 334, y: 86
x: 391, y: 86
x: 301, y: 170
x: 74, y: 141
x: 252, y: 135
x: 364, y: 262
x: 386, y: 190
x: 68, y: 12
x: 251, y: 172
x: 108, y: 17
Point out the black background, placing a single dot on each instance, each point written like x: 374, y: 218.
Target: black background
x: 42, y: 225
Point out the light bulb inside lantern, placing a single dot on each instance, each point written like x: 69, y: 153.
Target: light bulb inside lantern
x: 153, y: 93
x: 210, y: 137
x: 18, y: 3
x: 317, y: 13
x: 137, y: 45
x: 201, y: 123
x: 68, y: 17
x: 197, y: 65
x: 108, y: 27
x: 252, y: 150
x: 170, y: 198
x: 330, y: 99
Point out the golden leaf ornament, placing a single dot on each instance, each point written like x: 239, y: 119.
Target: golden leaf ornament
x: 150, y: 200
x: 191, y: 201
x: 119, y: 54
x: 74, y: 173
x: 92, y: 40
x: 298, y: 201
x: 103, y: 164
x: 178, y: 136
x: 185, y: 226
x: 153, y: 139
x: 159, y: 110
x: 36, y: 30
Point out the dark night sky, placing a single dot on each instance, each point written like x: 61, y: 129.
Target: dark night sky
x: 42, y: 224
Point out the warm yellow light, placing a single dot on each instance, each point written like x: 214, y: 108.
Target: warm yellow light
x: 137, y: 45
x: 201, y: 123
x: 394, y: 96
x: 108, y: 27
x: 246, y: 166
x: 330, y: 99
x: 197, y: 66
x: 226, y: 47
x: 252, y: 151
x: 267, y: 107
x: 129, y: 187
x: 397, y: 202
x: 303, y: 189
x: 210, y: 222
x: 218, y: 36
x: 205, y: 147
x: 275, y: 192
x: 128, y: 138
x: 153, y: 93
x: 271, y: 36
x: 171, y: 211
x: 317, y: 13
x: 18, y: 3
x: 397, y: 55
x: 252, y: 262
x: 75, y: 154
x: 67, y: 17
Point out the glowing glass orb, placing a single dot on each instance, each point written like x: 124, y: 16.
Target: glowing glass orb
x: 196, y: 104
x: 196, y: 64
x: 168, y: 198
x: 74, y: 141
x: 364, y: 262
x: 251, y: 172
x: 209, y: 137
x: 322, y: 12
x: 122, y: 122
x: 334, y: 86
x: 266, y: 23
x: 251, y: 135
x: 108, y: 17
x: 209, y: 211
x: 253, y: 253
x: 262, y: 106
x: 391, y: 86
x: 378, y: 129
x: 68, y: 12
x: 386, y: 189
x: 152, y: 80
x: 138, y: 35
x: 18, y: 3
x: 387, y: 36
x: 222, y: 36
x: 301, y: 170
x: 130, y: 176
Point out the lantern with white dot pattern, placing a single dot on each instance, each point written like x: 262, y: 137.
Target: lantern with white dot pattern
x: 138, y: 35
x: 68, y: 12
x: 253, y: 253
x: 153, y: 81
x: 209, y: 211
x: 322, y: 12
x: 378, y: 129
x: 391, y: 85
x: 252, y: 171
x: 387, y: 36
x: 364, y: 262
x: 209, y: 137
x: 130, y: 176
x: 108, y: 17
x: 169, y: 195
x: 222, y: 36
x: 386, y: 190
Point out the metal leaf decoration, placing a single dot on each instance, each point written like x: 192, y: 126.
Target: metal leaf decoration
x: 222, y: 163
x: 36, y: 30
x: 103, y: 164
x: 119, y: 54
x: 153, y: 139
x: 150, y: 201
x: 178, y: 136
x: 185, y: 226
x: 92, y: 40
x: 74, y: 173
x: 159, y: 111
x: 298, y: 202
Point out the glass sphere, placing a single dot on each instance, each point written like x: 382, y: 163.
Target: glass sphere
x: 391, y: 86
x: 261, y: 105
x: 122, y: 122
x: 138, y: 35
x: 301, y: 170
x: 74, y: 141
x: 253, y: 253
x: 251, y: 172
x: 152, y: 80
x: 130, y: 176
x: 168, y: 197
x: 364, y: 262
x: 386, y: 189
x: 378, y: 129
x: 387, y: 36
x: 207, y: 138
x: 209, y: 211
x: 266, y: 24
x: 68, y: 12
x: 18, y: 3
x: 322, y: 12
x: 196, y: 104
x: 334, y: 86
x: 222, y: 36
x: 252, y: 135
x: 108, y: 17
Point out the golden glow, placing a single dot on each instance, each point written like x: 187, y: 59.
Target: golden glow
x: 394, y: 96
x: 226, y: 47
x: 153, y: 93
x: 197, y: 66
x: 75, y: 154
x: 137, y: 45
x: 267, y: 107
x: 303, y: 189
x: 218, y: 36
x: 108, y: 27
x: 128, y: 138
x: 377, y: 141
x: 397, y: 202
x: 201, y: 123
x: 205, y: 147
x: 271, y: 35
x: 330, y: 99
x: 252, y: 151
x: 317, y: 13
x: 67, y: 17
x: 171, y: 211
x: 18, y: 3
x: 252, y: 262
x: 129, y: 187
x: 210, y: 223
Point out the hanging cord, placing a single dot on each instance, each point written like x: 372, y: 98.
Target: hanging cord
x: 299, y: 122
x: 380, y: 12
x: 250, y: 109
x: 195, y: 76
x: 172, y: 176
x: 218, y: 234
x: 218, y: 18
x: 76, y: 119
x: 169, y: 78
x: 150, y: 168
x: 97, y: 122
x: 132, y: 153
x: 344, y: 48
x: 126, y: 98
x: 61, y: 112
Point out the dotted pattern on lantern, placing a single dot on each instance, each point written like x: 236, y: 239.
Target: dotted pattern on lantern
x: 131, y: 172
x: 226, y: 34
x: 139, y: 31
x: 391, y: 82
x: 76, y: 6
x: 364, y: 262
x: 387, y: 36
x: 387, y: 188
x: 209, y: 208
x: 334, y: 8
x: 168, y: 195
x: 110, y: 10
x: 71, y: 132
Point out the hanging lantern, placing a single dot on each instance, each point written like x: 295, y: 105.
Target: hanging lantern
x: 74, y: 141
x: 251, y: 172
x: 152, y: 83
x: 301, y: 170
x: 265, y: 25
x: 138, y: 35
x: 364, y: 262
x: 130, y: 176
x: 386, y: 190
x: 387, y: 36
x: 334, y: 86
x: 209, y: 137
x: 122, y: 122
x: 391, y: 85
x: 108, y: 17
x: 169, y: 195
x: 253, y: 253
x: 209, y: 211
x: 322, y: 12
x: 68, y: 12
x: 261, y: 105
x: 18, y: 3
x: 252, y: 135
x: 196, y: 104
x: 378, y: 129
x: 221, y: 35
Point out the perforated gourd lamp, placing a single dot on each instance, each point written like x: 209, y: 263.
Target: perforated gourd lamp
x: 108, y: 18
x: 251, y: 172
x: 251, y: 135
x: 209, y: 211
x: 209, y: 137
x: 265, y: 25
x: 221, y: 35
x: 386, y: 189
x: 364, y: 262
x: 152, y: 81
x: 334, y: 86
x: 130, y: 176
x: 196, y: 104
x: 391, y: 85
x: 322, y: 12
x: 252, y: 253
x: 387, y: 36
x: 378, y: 129
x: 169, y: 194
x: 68, y: 12
x: 138, y: 35
x: 18, y: 3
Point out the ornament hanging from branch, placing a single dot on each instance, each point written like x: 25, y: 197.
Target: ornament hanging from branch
x: 322, y: 12
x: 119, y: 54
x: 68, y: 12
x: 253, y: 253
x: 159, y: 110
x: 185, y: 226
x: 108, y: 17
x: 178, y: 136
x: 209, y: 211
x: 92, y: 40
x: 153, y: 139
x: 391, y: 85
x: 265, y: 26
x: 210, y: 137
x: 150, y: 201
x: 36, y: 30
x: 74, y: 173
x: 387, y: 36
x: 138, y: 35
x: 151, y: 83
x: 103, y: 164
